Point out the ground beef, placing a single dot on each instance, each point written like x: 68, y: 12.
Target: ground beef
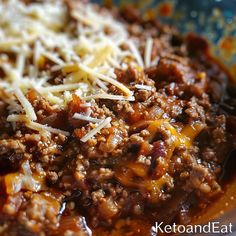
x: 163, y: 151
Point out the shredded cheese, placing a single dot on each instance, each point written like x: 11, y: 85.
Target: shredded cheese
x: 148, y: 52
x: 37, y: 53
x: 143, y: 87
x: 59, y: 88
x: 109, y: 96
x: 17, y: 118
x: 135, y: 53
x: 40, y: 128
x: 53, y: 57
x: 29, y: 110
x: 101, y: 85
x: 94, y: 131
x: 85, y: 61
x: 7, y: 45
x: 86, y: 118
x: 107, y: 79
x: 87, y: 104
x: 34, y: 125
x: 20, y: 63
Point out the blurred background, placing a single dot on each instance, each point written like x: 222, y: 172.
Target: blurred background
x: 213, y: 19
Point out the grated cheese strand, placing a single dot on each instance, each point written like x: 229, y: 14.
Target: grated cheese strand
x: 148, y: 52
x: 37, y: 53
x: 34, y: 125
x: 86, y: 118
x: 29, y: 110
x: 107, y: 79
x: 59, y: 88
x: 9, y: 43
x: 20, y: 64
x: 136, y: 53
x: 109, y: 96
x: 84, y: 62
x: 17, y: 118
x: 94, y: 131
x: 82, y: 18
x: 53, y: 57
x: 40, y: 128
x: 143, y: 87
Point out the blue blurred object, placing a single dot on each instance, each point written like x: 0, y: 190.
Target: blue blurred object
x: 198, y: 13
x: 213, y: 19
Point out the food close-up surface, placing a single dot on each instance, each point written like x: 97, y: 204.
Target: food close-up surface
x: 109, y: 121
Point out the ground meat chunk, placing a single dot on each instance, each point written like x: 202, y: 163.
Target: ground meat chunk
x: 11, y: 153
x: 42, y: 209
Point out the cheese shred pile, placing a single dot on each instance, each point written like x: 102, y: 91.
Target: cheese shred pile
x: 39, y: 34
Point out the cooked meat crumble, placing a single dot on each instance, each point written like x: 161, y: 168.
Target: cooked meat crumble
x: 105, y: 135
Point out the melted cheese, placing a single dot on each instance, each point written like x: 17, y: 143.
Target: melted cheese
x: 185, y: 137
